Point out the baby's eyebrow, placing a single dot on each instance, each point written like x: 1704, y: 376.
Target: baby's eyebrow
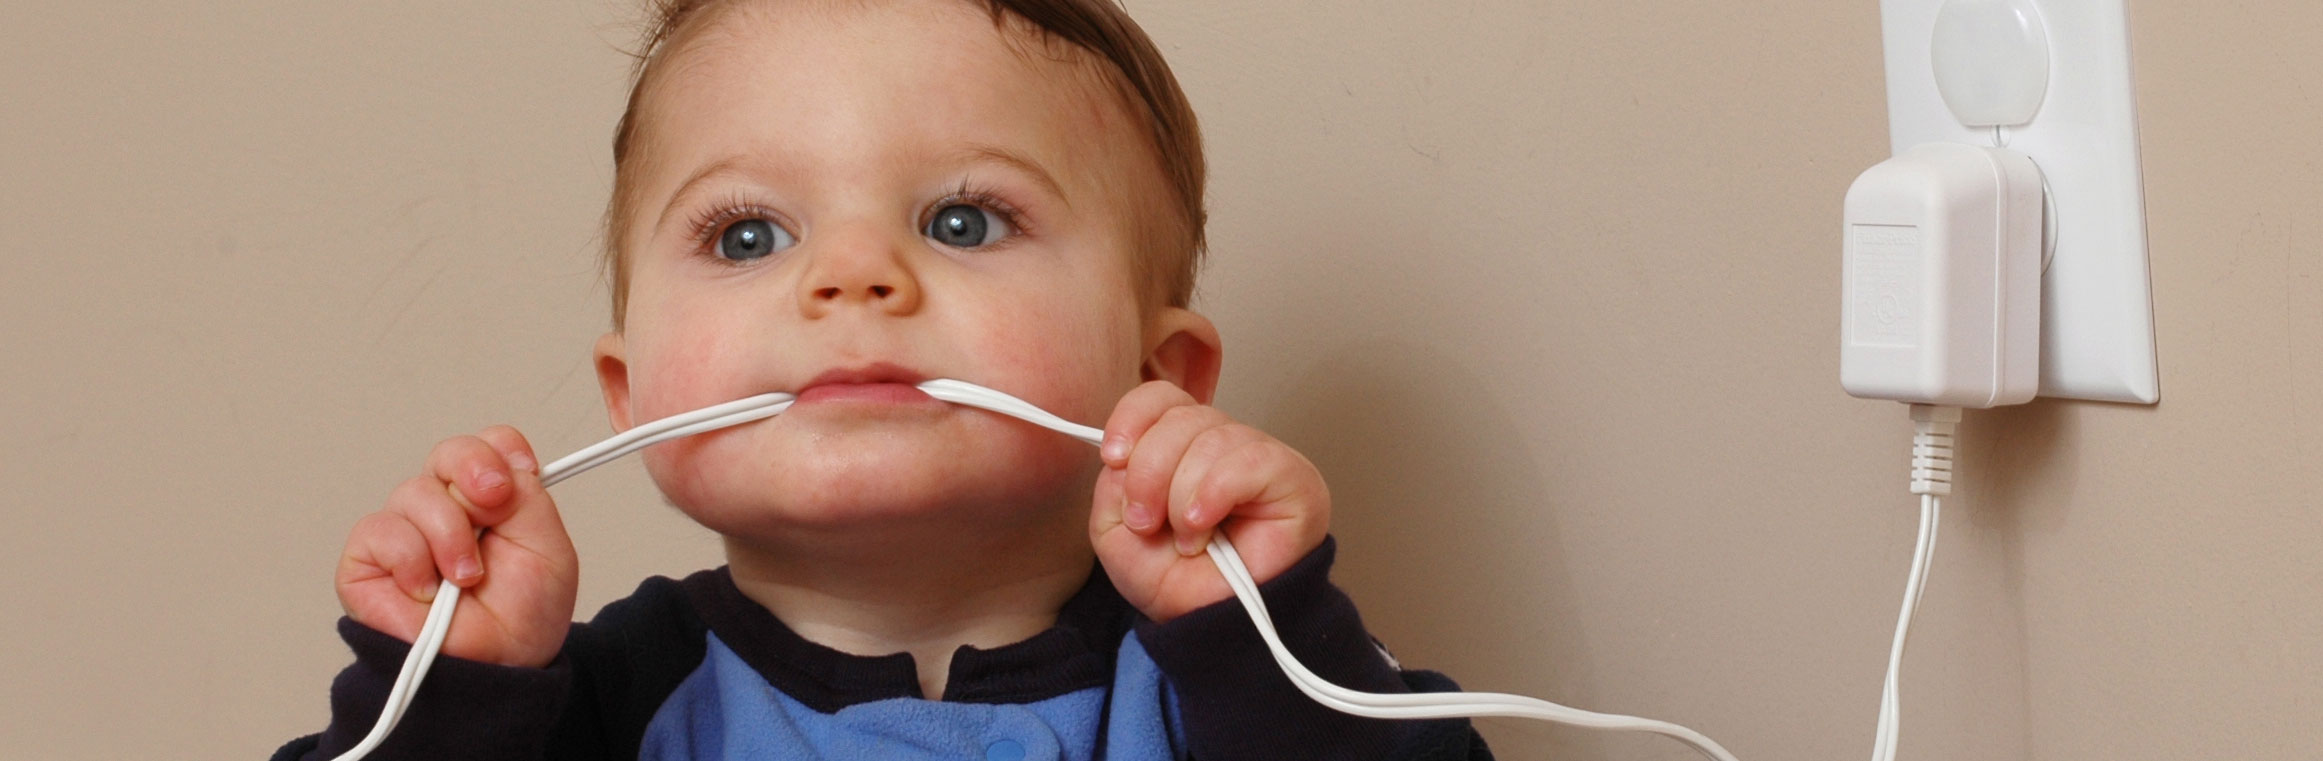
x: 1018, y: 161
x: 726, y: 165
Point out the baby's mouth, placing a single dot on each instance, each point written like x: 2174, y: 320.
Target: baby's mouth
x: 878, y: 383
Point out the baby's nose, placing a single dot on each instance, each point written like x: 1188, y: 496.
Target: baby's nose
x: 859, y: 270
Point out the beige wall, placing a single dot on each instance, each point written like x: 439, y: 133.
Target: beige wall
x: 1548, y: 289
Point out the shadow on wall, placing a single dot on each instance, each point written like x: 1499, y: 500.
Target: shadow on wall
x: 1447, y: 526
x: 2016, y: 464
x: 2009, y: 459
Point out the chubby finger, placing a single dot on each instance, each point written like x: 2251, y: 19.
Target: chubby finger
x: 514, y: 449
x: 1136, y: 412
x: 526, y: 494
x: 530, y: 520
x: 1256, y: 480
x: 475, y: 469
x: 1106, y: 502
x: 434, y: 508
x: 1278, y: 504
x: 1216, y: 447
x: 389, y: 543
x: 1153, y: 463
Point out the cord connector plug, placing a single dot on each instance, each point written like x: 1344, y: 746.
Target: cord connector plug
x: 1933, y: 428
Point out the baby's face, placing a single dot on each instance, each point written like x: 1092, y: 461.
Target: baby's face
x: 841, y: 200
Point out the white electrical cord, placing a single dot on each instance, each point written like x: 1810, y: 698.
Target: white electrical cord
x: 1436, y: 705
x: 1934, y: 430
x: 1428, y: 705
x: 1883, y: 747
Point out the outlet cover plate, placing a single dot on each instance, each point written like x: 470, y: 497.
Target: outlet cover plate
x: 2097, y: 320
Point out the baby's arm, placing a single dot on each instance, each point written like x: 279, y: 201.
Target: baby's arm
x: 1177, y: 470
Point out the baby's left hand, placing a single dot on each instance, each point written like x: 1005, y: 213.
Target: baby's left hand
x: 1176, y: 470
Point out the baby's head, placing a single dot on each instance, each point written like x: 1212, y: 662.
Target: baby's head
x: 1112, y: 59
x: 841, y: 198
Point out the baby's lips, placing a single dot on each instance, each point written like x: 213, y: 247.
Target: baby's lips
x: 887, y: 393
x: 869, y: 373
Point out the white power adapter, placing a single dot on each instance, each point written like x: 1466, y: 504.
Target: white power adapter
x: 1942, y: 310
x: 1943, y: 278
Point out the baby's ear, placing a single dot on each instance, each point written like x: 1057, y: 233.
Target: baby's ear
x: 1182, y: 348
x: 613, y: 378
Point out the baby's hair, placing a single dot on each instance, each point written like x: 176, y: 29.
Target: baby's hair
x: 1129, y: 63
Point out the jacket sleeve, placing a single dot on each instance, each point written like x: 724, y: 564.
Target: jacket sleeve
x: 1237, y: 704
x: 464, y: 710
x: 593, y: 702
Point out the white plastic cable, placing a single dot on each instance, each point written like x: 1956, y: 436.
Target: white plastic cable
x: 1934, y: 430
x: 1436, y: 705
x: 1883, y: 747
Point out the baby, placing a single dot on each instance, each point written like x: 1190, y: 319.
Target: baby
x: 842, y: 199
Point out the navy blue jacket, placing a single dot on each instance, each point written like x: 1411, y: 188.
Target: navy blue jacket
x: 691, y: 669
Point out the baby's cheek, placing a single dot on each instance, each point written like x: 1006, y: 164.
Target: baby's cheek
x: 676, y: 471
x: 1059, y: 361
x: 684, y: 374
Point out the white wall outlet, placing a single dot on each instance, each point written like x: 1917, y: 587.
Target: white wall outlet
x: 2097, y: 323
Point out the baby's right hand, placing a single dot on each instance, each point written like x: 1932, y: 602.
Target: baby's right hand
x: 518, y: 586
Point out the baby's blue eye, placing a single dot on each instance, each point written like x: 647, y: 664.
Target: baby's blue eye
x: 750, y: 239
x: 963, y: 226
